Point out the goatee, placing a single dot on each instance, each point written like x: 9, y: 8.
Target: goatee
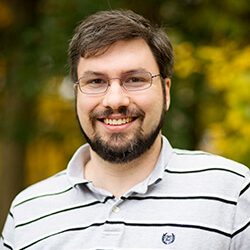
x: 114, y: 150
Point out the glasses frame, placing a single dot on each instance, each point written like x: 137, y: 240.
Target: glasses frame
x: 121, y: 84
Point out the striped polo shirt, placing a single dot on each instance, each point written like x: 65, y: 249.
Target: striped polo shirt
x: 191, y: 201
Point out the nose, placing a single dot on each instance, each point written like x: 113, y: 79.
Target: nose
x: 116, y: 96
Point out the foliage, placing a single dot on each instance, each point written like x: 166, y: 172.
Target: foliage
x: 224, y: 112
x: 210, y: 106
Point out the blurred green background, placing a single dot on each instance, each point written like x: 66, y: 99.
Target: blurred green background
x: 210, y: 107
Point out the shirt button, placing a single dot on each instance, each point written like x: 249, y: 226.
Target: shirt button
x: 115, y: 209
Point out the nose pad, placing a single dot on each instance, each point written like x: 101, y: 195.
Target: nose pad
x: 116, y: 96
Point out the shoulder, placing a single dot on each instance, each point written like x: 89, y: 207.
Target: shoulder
x: 186, y: 160
x: 200, y: 172
x: 48, y: 187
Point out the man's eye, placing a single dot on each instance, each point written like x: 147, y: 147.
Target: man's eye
x: 135, y: 79
x: 96, y: 81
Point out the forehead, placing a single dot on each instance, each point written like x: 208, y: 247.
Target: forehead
x: 120, y: 57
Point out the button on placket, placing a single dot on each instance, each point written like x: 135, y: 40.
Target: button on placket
x: 115, y: 209
x: 113, y: 230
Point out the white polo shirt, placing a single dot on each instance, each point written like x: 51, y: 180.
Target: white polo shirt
x: 191, y: 201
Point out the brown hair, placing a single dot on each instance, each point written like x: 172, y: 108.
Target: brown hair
x: 99, y: 31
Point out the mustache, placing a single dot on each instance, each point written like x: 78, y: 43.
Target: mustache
x: 129, y: 112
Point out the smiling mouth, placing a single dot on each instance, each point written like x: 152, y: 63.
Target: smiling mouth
x: 117, y: 122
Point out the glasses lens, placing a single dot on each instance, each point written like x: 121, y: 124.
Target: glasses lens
x: 137, y: 81
x: 93, y: 85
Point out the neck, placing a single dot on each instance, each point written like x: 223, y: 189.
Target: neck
x: 119, y: 178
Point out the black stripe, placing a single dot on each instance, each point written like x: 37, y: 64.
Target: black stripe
x: 193, y: 153
x: 8, y: 246
x: 65, y: 210
x: 180, y: 198
x: 170, y: 225
x: 202, y: 170
x: 11, y: 215
x: 244, y: 189
x: 131, y: 224
x: 241, y: 229
x: 64, y: 231
x: 43, y: 195
x: 5, y: 244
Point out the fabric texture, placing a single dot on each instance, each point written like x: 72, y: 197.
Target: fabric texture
x: 192, y: 200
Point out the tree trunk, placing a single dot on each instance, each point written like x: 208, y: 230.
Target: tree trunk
x: 17, y: 99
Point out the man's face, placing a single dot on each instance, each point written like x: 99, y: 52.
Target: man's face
x: 120, y: 125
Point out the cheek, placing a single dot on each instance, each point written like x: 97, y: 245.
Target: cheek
x: 85, y: 104
x: 152, y: 105
x: 83, y: 109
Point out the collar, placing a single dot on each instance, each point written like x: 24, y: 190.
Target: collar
x: 158, y: 172
x: 75, y: 168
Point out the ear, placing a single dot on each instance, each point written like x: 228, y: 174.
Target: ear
x: 167, y: 82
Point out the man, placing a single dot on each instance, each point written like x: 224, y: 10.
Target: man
x: 128, y: 188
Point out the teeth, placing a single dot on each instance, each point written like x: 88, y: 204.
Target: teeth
x: 117, y: 121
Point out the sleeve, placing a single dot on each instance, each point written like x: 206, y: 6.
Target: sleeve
x: 241, y: 228
x: 7, y: 237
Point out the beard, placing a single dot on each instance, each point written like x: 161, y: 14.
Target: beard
x: 118, y: 148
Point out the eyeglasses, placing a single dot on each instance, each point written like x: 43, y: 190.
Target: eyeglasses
x: 95, y: 83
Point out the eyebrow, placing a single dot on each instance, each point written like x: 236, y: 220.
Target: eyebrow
x: 90, y: 73
x: 135, y: 71
x: 96, y: 73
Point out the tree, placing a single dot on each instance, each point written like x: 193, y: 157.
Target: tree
x: 38, y: 130
x: 18, y: 92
